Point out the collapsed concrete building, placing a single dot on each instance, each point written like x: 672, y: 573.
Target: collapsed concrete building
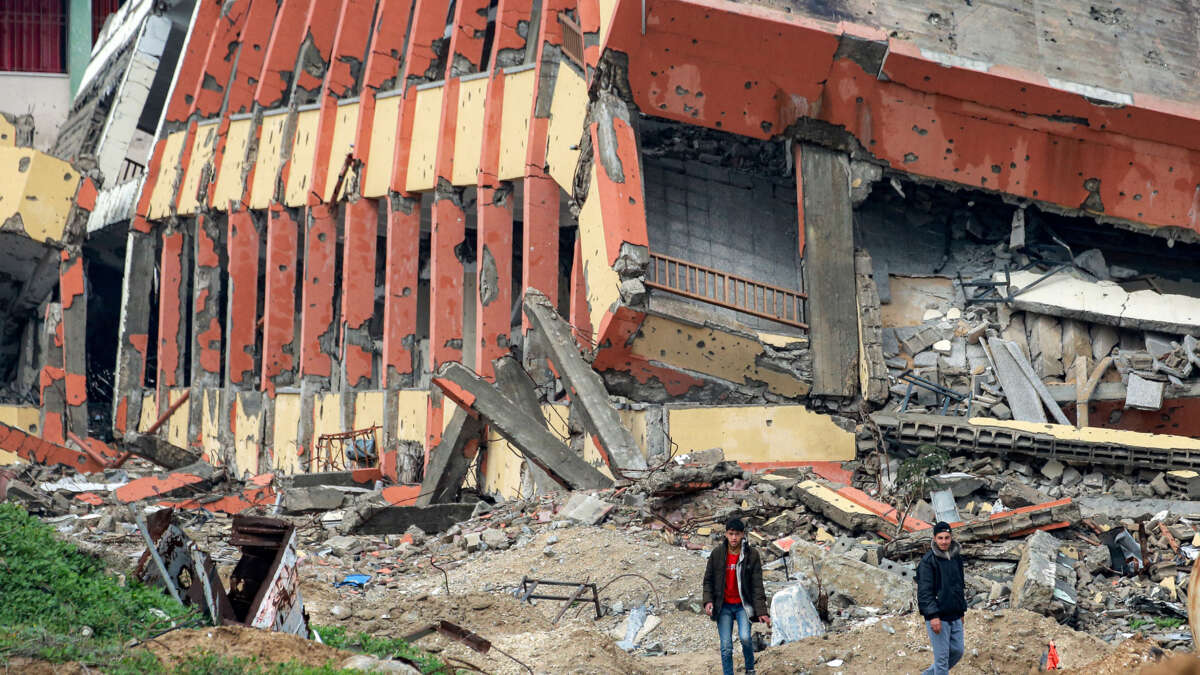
x: 968, y: 212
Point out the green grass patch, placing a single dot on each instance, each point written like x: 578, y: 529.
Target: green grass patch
x: 58, y: 604
x: 384, y: 648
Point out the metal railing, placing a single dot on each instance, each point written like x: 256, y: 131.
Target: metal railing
x: 572, y: 39
x: 726, y: 290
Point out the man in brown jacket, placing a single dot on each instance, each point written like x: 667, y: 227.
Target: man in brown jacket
x: 733, y: 591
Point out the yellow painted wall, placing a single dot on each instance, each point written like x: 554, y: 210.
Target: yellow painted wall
x: 177, y: 426
x: 634, y: 421
x: 8, y: 133
x: 514, y: 123
x: 327, y: 419
x: 368, y: 412
x: 168, y: 171
x: 603, y: 284
x: 383, y: 147
x: 346, y: 125
x: 412, y: 414
x: 783, y: 433
x: 607, y: 7
x: 422, y: 151
x: 42, y: 193
x: 304, y: 150
x: 714, y: 352
x: 229, y: 180
x: 202, y: 152
x: 149, y: 411
x: 1095, y: 434
x: 286, y: 447
x: 266, y: 168
x: 504, y: 465
x: 247, y: 435
x: 23, y: 417
x: 468, y: 138
x: 210, y: 424
x: 568, y: 109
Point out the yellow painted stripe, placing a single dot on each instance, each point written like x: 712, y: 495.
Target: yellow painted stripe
x: 304, y: 150
x: 202, y: 154
x: 164, y: 185
x: 343, y: 143
x: 266, y: 169
x: 468, y: 138
x: 514, y: 124
x: 422, y: 151
x: 383, y: 147
x: 229, y: 181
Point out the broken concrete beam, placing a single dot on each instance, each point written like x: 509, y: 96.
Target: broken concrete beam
x: 158, y: 450
x: 1023, y: 400
x: 584, y: 386
x: 451, y: 459
x: 1042, y: 583
x: 516, y: 384
x: 527, y: 434
x: 312, y: 499
x: 1013, y: 439
x: 37, y: 451
x: 1049, y: 516
x: 827, y: 502
x: 361, y: 478
x: 1076, y: 342
x: 397, y: 519
x: 1136, y: 509
x: 184, y: 482
x: 1105, y: 302
x: 866, y: 584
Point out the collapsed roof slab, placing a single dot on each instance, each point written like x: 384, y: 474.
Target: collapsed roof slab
x: 1104, y: 302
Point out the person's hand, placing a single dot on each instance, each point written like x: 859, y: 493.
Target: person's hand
x: 765, y: 619
x: 708, y: 608
x: 936, y: 624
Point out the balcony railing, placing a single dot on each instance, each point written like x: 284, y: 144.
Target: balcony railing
x: 726, y: 290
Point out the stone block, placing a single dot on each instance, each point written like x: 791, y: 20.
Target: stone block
x: 1104, y: 338
x: 866, y: 584
x: 1045, y: 345
x: 1042, y: 583
x: 310, y: 499
x: 1053, y: 470
x: 585, y: 508
x: 1143, y: 394
x: 1071, y: 476
x: 495, y: 538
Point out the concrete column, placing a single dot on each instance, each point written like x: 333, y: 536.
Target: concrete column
x: 318, y: 328
x: 279, y: 303
x: 174, y: 273
x: 241, y: 313
x: 134, y: 331
x: 207, y: 329
x: 52, y: 387
x: 72, y: 288
x: 358, y: 293
x: 79, y: 40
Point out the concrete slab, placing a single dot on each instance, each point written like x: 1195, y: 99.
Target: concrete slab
x: 1143, y: 394
x: 1023, y: 400
x: 1105, y: 302
x: 397, y: 519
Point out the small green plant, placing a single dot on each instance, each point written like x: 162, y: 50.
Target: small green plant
x: 915, y: 480
x: 384, y: 648
x: 1136, y: 624
x: 1168, y: 622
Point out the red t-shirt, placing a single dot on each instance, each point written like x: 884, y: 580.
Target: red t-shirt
x: 732, y: 597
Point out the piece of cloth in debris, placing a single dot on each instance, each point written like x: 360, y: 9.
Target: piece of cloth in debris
x: 356, y: 580
x: 940, y: 583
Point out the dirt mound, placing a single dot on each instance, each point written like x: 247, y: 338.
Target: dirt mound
x: 239, y: 642
x: 1136, y: 653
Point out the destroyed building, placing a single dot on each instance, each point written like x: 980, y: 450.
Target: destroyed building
x: 374, y: 261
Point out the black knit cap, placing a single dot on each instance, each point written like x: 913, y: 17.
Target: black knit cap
x: 735, y: 524
x: 941, y: 526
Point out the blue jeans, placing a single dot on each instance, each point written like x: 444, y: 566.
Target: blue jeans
x: 725, y: 619
x: 947, y: 646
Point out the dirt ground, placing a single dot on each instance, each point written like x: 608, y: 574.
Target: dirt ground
x: 239, y: 642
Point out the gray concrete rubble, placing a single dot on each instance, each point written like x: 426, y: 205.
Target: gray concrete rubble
x: 451, y: 459
x: 864, y: 584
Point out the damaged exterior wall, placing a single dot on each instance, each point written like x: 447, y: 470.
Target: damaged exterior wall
x: 375, y: 105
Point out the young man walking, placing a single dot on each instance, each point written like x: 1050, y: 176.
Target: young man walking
x: 733, y: 592
x: 941, y: 599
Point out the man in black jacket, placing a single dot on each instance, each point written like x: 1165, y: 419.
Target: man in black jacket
x: 941, y: 599
x: 733, y: 591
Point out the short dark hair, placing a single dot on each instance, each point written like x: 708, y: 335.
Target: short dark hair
x: 942, y: 526
x: 735, y: 524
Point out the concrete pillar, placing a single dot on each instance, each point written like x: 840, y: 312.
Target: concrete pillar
x: 174, y: 274
x: 79, y: 40
x: 72, y: 288
x: 318, y: 329
x: 279, y: 302
x: 52, y: 386
x: 208, y: 255
x: 358, y: 293
x: 134, y: 336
